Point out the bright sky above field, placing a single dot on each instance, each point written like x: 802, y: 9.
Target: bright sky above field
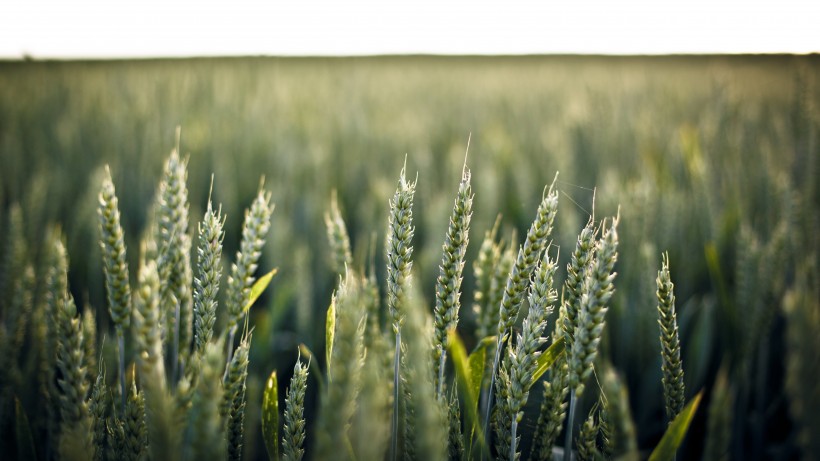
x: 102, y: 29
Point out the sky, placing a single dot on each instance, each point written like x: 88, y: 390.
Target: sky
x: 148, y: 28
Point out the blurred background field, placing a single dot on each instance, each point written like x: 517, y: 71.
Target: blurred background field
x: 711, y: 158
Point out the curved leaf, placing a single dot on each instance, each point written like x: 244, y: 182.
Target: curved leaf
x: 258, y: 288
x: 547, y: 359
x: 330, y: 333
x: 676, y: 431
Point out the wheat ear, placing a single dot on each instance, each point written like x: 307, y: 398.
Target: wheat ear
x: 448, y: 283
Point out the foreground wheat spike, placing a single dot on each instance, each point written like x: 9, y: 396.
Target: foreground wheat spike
x: 399, y: 264
x: 524, y: 354
x: 623, y: 442
x: 135, y: 440
x: 484, y: 268
x: 98, y: 407
x: 174, y: 266
x: 147, y: 329
x: 205, y: 427
x: 160, y: 421
x: 425, y: 418
x: 554, y: 405
x: 233, y: 402
x: 589, y: 324
x: 209, y: 273
x: 528, y: 256
x: 56, y: 287
x: 400, y: 248
x: 673, y: 390
x: 75, y: 439
x: 339, y: 400
x: 293, y: 438
x: 598, y: 289
x: 587, y: 438
x: 254, y: 232
x: 337, y: 237
x: 576, y: 274
x: 112, y: 244
x: 448, y: 283
x: 455, y: 438
x: 519, y: 278
x: 606, y: 426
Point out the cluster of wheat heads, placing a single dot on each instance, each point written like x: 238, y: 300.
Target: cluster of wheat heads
x: 179, y: 389
x: 397, y: 401
x: 398, y: 382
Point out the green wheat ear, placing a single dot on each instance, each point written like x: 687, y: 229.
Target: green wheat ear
x: 673, y: 388
x: 209, y: 273
x: 598, y: 289
x: 448, y: 283
x: 524, y: 354
x: 484, y: 270
x: 337, y: 237
x: 587, y: 444
x: 205, y: 426
x: 293, y: 438
x: 399, y: 265
x: 116, y: 269
x: 76, y: 429
x: 174, y: 265
x: 113, y: 249
x: 233, y: 403
x: 254, y: 233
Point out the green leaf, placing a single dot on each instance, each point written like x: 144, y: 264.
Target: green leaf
x: 259, y: 287
x: 547, y: 359
x: 467, y: 370
x: 22, y: 433
x: 476, y: 362
x: 672, y: 438
x: 270, y: 417
x: 330, y: 333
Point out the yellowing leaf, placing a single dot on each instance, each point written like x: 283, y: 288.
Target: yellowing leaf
x: 270, y: 417
x: 259, y: 287
x: 547, y: 359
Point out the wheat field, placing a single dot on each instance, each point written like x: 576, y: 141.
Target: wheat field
x: 440, y: 258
